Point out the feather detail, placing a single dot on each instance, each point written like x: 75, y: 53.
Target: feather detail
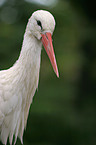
x: 17, y: 88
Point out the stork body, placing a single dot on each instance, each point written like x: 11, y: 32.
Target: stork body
x: 19, y: 83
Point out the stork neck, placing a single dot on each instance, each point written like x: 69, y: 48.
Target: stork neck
x: 28, y: 65
x: 31, y: 49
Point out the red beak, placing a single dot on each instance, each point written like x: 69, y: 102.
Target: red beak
x: 47, y: 43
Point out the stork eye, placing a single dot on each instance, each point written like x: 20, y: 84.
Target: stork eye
x: 39, y: 23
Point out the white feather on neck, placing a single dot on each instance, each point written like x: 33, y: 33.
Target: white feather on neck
x: 24, y: 77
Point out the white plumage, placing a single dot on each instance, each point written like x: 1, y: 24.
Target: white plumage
x: 19, y: 83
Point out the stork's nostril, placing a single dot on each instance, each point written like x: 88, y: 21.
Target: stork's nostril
x: 46, y: 36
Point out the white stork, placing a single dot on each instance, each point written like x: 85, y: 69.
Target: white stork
x: 19, y: 83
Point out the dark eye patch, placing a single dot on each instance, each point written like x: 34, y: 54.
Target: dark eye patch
x: 39, y: 23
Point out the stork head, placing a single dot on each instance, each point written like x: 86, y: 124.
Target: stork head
x: 41, y: 25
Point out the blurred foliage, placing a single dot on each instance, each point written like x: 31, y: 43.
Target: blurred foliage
x: 63, y: 110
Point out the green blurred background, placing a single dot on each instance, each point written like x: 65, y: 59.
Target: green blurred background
x: 63, y: 111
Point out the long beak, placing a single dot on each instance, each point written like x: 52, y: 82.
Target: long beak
x: 47, y: 43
